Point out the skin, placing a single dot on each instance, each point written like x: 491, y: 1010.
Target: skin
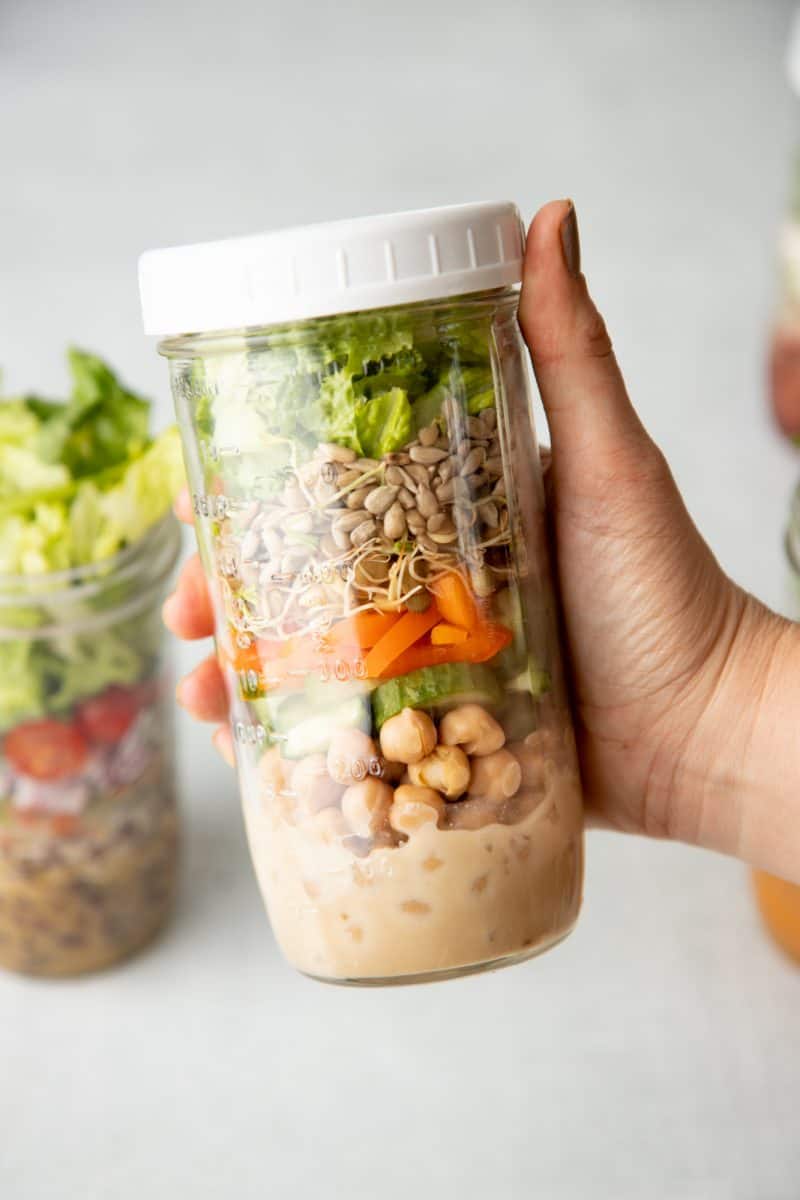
x: 685, y: 689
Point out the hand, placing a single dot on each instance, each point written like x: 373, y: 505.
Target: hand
x: 668, y: 658
x: 676, y: 673
x: 188, y: 613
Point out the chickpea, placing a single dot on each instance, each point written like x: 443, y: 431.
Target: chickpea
x: 414, y: 807
x: 271, y: 770
x: 472, y: 727
x: 532, y: 764
x: 330, y: 826
x: 313, y: 787
x: 446, y: 770
x: 495, y: 776
x: 408, y: 737
x: 349, y: 756
x: 366, y: 806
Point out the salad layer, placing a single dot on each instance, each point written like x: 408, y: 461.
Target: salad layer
x: 385, y: 620
x: 87, y: 811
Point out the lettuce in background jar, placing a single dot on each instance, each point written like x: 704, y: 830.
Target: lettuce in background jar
x: 369, y: 511
x: 88, y: 823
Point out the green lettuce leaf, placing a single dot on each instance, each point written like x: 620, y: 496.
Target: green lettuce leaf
x: 385, y: 423
x: 101, y: 425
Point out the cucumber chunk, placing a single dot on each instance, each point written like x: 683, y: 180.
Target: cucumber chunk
x: 436, y: 689
x: 303, y: 731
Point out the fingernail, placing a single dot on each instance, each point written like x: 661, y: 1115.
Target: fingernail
x: 222, y: 744
x: 571, y: 242
x: 166, y: 610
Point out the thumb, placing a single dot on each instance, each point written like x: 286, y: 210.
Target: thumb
x: 582, y: 390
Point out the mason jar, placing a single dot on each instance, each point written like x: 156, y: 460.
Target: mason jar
x: 355, y: 406
x: 778, y: 900
x: 88, y: 824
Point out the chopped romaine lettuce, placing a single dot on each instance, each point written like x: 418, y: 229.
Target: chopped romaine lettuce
x: 385, y: 423
x: 78, y: 482
x: 367, y: 382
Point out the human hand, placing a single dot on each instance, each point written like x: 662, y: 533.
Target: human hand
x: 667, y: 655
x: 676, y: 673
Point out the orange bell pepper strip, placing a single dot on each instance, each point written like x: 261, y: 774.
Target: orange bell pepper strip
x: 362, y: 630
x: 480, y: 646
x: 455, y: 601
x: 404, y: 633
x: 448, y: 635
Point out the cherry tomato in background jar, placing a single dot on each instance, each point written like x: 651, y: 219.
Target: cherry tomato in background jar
x: 108, y: 717
x: 46, y: 749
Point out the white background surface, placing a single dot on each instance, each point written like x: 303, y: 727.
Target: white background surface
x: 656, y: 1053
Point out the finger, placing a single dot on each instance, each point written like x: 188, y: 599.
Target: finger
x: 223, y: 742
x: 188, y: 612
x: 582, y: 390
x: 202, y: 692
x: 183, y: 507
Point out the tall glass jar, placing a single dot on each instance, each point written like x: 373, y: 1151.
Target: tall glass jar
x: 778, y: 900
x: 88, y: 825
x: 369, y: 511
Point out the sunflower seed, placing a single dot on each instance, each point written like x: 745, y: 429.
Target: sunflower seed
x: 427, y: 503
x: 363, y: 532
x: 294, y: 498
x: 396, y: 476
x: 367, y: 464
x: 427, y: 454
x: 355, y: 499
x: 499, y: 488
x: 301, y: 522
x: 330, y: 452
x: 394, y: 522
x: 474, y: 460
x: 446, y: 533
x: 475, y: 427
x: 429, y: 435
x: 346, y: 521
x: 346, y: 478
x: 444, y: 492
x: 494, y: 466
x: 489, y: 418
x: 406, y: 498
x: 418, y: 473
x: 415, y: 521
x: 379, y: 501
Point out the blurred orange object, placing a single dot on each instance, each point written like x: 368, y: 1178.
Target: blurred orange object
x: 779, y: 903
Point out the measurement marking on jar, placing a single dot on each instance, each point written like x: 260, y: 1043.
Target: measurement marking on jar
x: 248, y: 733
x: 218, y: 452
x: 213, y: 505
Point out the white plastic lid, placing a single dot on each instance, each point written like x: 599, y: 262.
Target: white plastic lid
x: 338, y: 267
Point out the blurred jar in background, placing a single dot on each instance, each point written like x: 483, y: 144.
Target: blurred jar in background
x: 784, y: 353
x: 779, y: 901
x: 88, y: 825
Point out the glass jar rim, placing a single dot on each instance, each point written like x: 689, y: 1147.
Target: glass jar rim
x: 201, y: 343
x: 143, y: 566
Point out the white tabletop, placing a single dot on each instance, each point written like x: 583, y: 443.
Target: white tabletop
x: 654, y: 1054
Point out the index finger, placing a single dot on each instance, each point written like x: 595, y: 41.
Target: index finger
x: 183, y: 507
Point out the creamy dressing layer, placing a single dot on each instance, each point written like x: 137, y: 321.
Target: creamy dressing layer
x: 446, y: 899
